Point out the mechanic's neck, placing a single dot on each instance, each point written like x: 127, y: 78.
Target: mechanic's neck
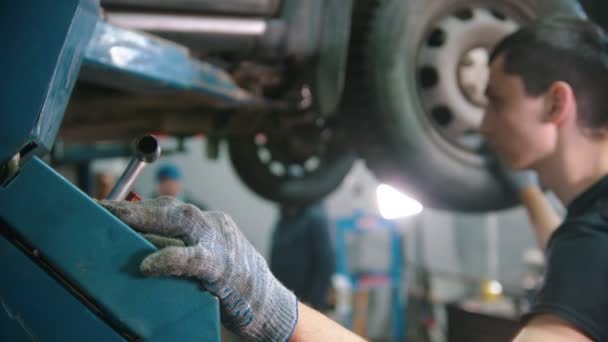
x: 574, y: 168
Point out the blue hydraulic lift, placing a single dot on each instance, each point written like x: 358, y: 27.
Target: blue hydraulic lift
x: 70, y: 268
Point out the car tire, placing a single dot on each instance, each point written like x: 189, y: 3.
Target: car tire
x: 271, y: 170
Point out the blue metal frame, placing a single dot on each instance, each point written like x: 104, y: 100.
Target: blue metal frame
x: 45, y: 59
x: 99, y: 257
x: 143, y: 63
x: 40, y: 64
x: 93, y: 257
x: 352, y: 225
x: 34, y: 307
x: 86, y: 153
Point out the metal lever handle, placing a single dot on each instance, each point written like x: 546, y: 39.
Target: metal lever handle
x: 147, y: 150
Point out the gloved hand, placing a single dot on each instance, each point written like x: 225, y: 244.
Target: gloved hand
x: 517, y: 180
x: 254, y: 304
x: 522, y: 179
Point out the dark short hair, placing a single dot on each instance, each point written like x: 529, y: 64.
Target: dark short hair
x: 565, y: 49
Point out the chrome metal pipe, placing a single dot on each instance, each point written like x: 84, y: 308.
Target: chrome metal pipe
x: 146, y: 150
x: 153, y: 22
x: 258, y: 8
x: 206, y: 33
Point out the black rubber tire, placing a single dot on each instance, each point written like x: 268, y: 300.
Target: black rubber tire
x: 335, y: 163
x: 380, y: 96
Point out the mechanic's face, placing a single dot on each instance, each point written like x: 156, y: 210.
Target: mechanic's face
x: 514, y: 124
x: 170, y: 187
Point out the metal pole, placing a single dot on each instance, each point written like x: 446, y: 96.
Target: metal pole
x: 207, y: 33
x: 147, y: 150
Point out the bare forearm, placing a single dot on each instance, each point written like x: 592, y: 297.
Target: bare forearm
x: 313, y: 326
x: 549, y: 328
x: 542, y: 215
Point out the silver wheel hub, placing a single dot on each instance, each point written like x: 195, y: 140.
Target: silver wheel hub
x: 452, y: 71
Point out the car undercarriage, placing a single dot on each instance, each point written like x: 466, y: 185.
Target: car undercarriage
x: 311, y: 86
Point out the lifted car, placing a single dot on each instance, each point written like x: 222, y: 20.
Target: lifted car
x: 398, y: 82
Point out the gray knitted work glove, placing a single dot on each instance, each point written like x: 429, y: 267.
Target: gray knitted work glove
x: 522, y: 179
x: 254, y: 304
x: 515, y: 179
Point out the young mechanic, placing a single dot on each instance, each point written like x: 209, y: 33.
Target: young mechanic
x: 546, y: 112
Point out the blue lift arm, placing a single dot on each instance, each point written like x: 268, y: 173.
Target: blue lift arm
x: 71, y: 268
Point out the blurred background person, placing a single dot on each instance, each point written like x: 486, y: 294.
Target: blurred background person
x: 169, y: 180
x: 302, y: 255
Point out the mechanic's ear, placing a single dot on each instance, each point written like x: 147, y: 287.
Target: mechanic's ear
x: 561, y: 103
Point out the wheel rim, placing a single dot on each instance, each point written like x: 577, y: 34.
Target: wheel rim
x: 451, y: 90
x: 297, y: 164
x: 292, y: 156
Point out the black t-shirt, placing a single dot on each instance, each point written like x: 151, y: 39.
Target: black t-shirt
x: 575, y: 287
